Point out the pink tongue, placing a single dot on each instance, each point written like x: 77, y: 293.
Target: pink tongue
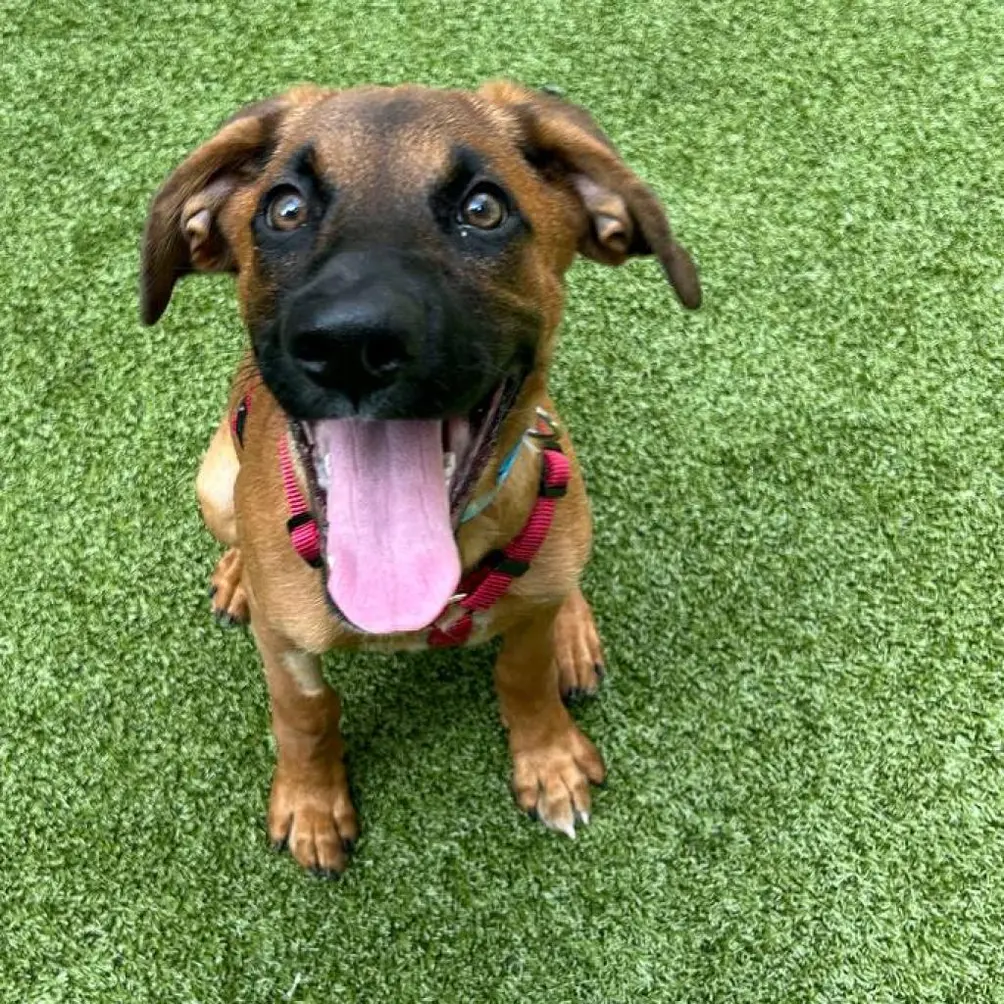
x: 392, y: 560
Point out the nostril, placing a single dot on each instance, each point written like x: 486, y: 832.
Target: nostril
x: 312, y: 350
x: 333, y: 357
x: 383, y: 355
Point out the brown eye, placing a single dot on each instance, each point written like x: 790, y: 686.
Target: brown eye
x: 287, y: 210
x: 484, y: 208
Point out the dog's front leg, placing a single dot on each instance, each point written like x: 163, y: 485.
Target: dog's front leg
x: 553, y: 762
x: 310, y: 809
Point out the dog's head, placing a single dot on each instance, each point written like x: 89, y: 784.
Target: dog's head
x: 400, y: 251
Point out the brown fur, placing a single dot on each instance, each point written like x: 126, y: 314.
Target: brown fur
x: 581, y: 198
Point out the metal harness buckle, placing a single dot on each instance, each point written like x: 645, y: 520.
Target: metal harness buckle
x: 552, y: 430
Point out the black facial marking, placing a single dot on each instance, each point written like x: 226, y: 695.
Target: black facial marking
x: 304, y: 164
x: 466, y: 172
x: 302, y: 174
x: 465, y: 167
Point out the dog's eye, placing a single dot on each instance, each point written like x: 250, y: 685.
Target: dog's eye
x: 287, y: 209
x: 484, y: 208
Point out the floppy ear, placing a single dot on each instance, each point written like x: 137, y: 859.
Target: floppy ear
x: 621, y: 215
x: 183, y: 230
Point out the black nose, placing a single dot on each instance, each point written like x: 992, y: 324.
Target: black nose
x: 356, y: 344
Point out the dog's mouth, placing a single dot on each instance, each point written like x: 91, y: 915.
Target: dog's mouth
x: 388, y: 496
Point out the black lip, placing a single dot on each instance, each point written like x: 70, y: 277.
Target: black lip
x: 486, y: 442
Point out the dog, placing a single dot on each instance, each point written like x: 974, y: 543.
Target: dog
x: 390, y: 470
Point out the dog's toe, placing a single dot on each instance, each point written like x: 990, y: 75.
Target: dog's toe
x: 326, y: 873
x: 314, y: 820
x: 551, y: 782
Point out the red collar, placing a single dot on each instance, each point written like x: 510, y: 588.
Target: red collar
x: 483, y: 586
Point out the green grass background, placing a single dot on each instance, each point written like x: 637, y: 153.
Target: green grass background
x: 798, y: 566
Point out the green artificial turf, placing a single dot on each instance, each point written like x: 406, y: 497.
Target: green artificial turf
x: 798, y: 563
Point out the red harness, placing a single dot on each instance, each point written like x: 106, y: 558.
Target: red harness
x: 482, y: 587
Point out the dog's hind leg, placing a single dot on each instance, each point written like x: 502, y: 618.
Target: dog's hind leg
x: 215, y: 489
x: 215, y: 485
x: 577, y: 648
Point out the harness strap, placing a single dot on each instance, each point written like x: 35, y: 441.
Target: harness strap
x: 490, y: 581
x: 477, y: 506
x: 301, y: 525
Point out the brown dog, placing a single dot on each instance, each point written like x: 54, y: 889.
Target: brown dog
x: 389, y: 471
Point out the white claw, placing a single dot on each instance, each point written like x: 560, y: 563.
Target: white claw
x: 568, y: 828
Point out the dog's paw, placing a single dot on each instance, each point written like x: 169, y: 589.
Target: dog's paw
x: 314, y: 819
x: 226, y: 594
x: 577, y: 649
x: 551, y: 780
